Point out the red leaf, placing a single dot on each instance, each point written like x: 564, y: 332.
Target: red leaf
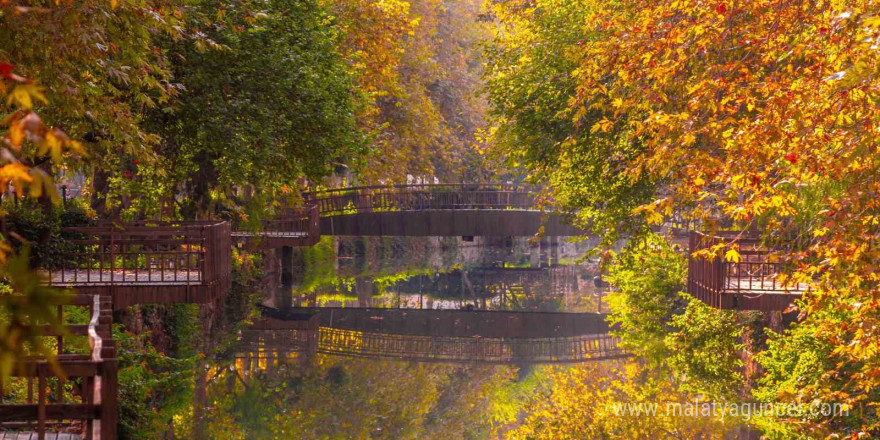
x: 6, y: 70
x: 721, y: 9
x: 791, y: 157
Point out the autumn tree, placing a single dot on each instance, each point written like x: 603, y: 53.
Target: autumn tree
x: 418, y: 62
x: 759, y: 112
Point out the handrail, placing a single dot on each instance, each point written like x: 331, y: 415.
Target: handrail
x: 748, y: 282
x: 95, y: 340
x: 509, y: 186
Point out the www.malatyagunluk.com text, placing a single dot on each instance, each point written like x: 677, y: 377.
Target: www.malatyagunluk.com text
x: 743, y: 410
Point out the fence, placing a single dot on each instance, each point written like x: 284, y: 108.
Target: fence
x: 146, y: 262
x: 94, y: 384
x: 748, y: 284
x: 421, y: 197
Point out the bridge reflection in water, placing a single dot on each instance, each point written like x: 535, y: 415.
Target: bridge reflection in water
x: 443, y: 336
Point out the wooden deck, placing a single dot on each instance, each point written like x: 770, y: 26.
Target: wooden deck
x: 749, y: 284
x: 45, y: 412
x: 146, y: 262
x: 11, y: 435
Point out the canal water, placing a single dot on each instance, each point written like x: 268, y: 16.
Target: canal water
x: 443, y: 273
x: 246, y: 393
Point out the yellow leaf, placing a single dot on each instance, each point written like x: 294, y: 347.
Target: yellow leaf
x: 21, y: 97
x: 16, y: 135
x: 733, y: 256
x: 15, y: 171
x: 604, y: 126
x: 53, y: 144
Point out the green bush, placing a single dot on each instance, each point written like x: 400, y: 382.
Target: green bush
x: 28, y: 221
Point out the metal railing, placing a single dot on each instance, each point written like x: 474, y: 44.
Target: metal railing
x: 467, y: 350
x: 301, y: 227
x: 275, y: 343
x: 422, y: 197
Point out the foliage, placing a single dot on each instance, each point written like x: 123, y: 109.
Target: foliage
x: 669, y: 330
x: 417, y: 62
x: 647, y: 277
x: 794, y: 364
x: 530, y: 84
x: 760, y: 112
x: 273, y: 105
x: 336, y: 398
x: 706, y: 351
x: 31, y: 223
x: 152, y: 386
x: 26, y: 304
x: 580, y: 402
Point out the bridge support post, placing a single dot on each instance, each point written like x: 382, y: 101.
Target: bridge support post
x: 287, y: 266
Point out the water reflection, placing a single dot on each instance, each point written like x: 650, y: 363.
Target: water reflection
x: 442, y: 273
x: 271, y: 380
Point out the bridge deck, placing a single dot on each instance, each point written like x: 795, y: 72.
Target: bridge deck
x: 455, y: 323
x: 146, y: 262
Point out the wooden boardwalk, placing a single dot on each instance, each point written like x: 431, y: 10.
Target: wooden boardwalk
x: 146, y: 262
x: 92, y: 413
x: 749, y: 284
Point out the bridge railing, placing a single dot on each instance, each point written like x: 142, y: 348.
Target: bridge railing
x: 48, y: 404
x: 748, y: 282
x: 144, y: 254
x: 467, y: 350
x: 303, y: 224
x: 421, y: 197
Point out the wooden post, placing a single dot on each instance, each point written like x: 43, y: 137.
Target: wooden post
x: 109, y: 403
x: 41, y: 401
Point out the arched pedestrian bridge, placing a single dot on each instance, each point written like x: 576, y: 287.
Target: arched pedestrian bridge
x: 414, y: 210
x: 446, y: 336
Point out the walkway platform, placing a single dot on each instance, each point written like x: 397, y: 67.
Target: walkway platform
x: 749, y: 284
x: 47, y: 405
x: 146, y: 262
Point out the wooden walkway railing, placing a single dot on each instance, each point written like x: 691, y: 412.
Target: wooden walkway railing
x: 583, y: 338
x: 584, y: 348
x: 299, y: 228
x: 146, y: 262
x: 44, y: 411
x: 748, y: 284
x: 267, y: 344
x: 389, y: 198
